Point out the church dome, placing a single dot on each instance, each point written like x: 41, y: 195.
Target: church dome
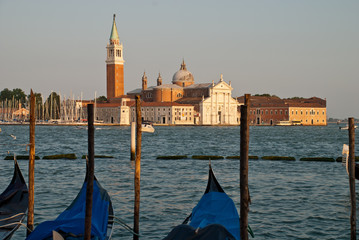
x: 183, y: 76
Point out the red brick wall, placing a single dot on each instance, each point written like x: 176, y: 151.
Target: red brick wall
x: 115, y: 80
x: 268, y: 115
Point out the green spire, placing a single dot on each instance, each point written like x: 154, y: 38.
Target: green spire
x: 114, y: 33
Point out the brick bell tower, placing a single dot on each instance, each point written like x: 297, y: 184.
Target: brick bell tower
x: 114, y: 65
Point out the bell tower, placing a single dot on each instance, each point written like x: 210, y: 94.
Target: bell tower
x: 114, y: 64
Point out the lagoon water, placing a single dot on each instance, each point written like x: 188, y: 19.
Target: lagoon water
x: 290, y: 199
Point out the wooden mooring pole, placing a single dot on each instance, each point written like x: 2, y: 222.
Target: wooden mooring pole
x: 90, y: 169
x: 352, y: 178
x: 30, y: 214
x: 244, y: 146
x: 136, y: 219
x: 133, y: 141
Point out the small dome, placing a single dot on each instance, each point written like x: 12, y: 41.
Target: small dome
x: 182, y: 75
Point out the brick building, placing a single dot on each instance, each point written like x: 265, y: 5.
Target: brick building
x: 272, y: 110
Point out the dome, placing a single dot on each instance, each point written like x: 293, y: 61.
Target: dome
x: 182, y: 76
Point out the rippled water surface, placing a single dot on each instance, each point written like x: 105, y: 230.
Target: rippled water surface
x: 290, y: 200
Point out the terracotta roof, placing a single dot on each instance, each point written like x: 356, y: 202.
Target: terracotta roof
x: 190, y: 100
x: 266, y: 101
x: 168, y: 86
x: 306, y: 102
x: 105, y: 105
x: 158, y: 104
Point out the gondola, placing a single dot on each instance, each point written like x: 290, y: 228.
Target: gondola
x: 70, y: 223
x: 215, y: 216
x: 13, y: 204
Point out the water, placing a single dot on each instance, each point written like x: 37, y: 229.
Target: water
x: 290, y: 200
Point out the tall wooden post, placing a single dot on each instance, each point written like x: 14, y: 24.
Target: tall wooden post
x: 244, y: 146
x: 133, y: 141
x: 136, y: 221
x: 91, y: 170
x: 30, y: 214
x: 352, y: 178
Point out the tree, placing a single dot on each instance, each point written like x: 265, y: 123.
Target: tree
x: 52, y: 106
x: 265, y: 95
x: 101, y: 99
x: 19, y: 95
x: 6, y: 94
x: 16, y: 95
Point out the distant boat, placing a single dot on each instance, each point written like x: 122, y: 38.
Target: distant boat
x: 70, y: 223
x: 214, y: 217
x: 147, y: 126
x: 13, y: 204
x: 347, y: 127
x: 289, y: 123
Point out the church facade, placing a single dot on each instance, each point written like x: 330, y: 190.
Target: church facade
x: 212, y: 102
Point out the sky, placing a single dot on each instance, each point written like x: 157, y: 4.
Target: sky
x: 287, y: 48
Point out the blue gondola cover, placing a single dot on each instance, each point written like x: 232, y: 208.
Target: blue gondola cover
x: 214, y: 217
x: 72, y: 220
x: 216, y: 208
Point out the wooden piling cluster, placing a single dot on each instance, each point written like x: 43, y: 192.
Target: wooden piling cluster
x: 244, y: 147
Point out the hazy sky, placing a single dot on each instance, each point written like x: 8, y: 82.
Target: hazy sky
x: 283, y: 47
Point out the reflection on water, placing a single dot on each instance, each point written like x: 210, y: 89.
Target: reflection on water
x: 290, y: 200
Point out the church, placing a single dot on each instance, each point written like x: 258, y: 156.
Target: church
x: 181, y: 102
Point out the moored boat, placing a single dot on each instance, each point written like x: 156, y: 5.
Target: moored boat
x: 214, y: 217
x: 70, y: 223
x: 13, y: 204
x: 347, y: 127
x: 289, y: 123
x: 147, y: 127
